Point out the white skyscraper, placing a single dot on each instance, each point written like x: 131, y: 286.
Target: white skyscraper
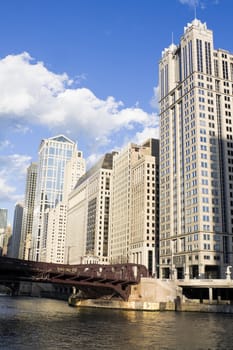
x: 54, y: 153
x: 56, y: 234
x: 196, y: 158
x: 74, y: 169
x: 88, y: 215
x: 134, y: 229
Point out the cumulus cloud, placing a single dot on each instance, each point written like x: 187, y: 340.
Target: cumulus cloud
x: 147, y: 133
x: 13, y: 170
x: 7, y: 192
x: 14, y: 164
x: 93, y: 159
x: 33, y: 95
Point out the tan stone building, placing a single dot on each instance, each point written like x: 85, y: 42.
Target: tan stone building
x: 88, y: 215
x: 134, y: 226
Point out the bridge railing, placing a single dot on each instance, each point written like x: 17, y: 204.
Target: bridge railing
x: 123, y: 272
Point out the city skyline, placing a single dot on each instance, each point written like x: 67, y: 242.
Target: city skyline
x: 77, y: 65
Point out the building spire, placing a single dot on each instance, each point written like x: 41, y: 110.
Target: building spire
x: 195, y: 11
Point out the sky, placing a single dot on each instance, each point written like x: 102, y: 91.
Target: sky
x: 87, y: 69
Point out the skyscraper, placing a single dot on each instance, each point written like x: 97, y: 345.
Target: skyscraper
x: 54, y: 153
x: 88, y: 215
x: 56, y: 234
x: 3, y: 218
x: 57, y: 217
x: 74, y: 169
x: 196, y: 175
x: 28, y: 212
x: 16, y: 233
x: 144, y: 207
x: 3, y: 225
x: 134, y: 225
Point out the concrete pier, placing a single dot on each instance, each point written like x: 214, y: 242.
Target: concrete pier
x: 169, y: 295
x: 150, y: 295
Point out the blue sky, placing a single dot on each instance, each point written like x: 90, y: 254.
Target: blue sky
x: 87, y: 69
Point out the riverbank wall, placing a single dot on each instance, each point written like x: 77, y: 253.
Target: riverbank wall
x: 44, y: 290
x: 150, y: 295
x: 205, y: 306
x: 122, y: 305
x: 155, y: 295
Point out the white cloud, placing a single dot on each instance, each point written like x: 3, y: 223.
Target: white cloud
x: 155, y: 98
x: 14, y: 164
x: 147, y: 133
x: 93, y: 159
x: 22, y: 129
x: 192, y: 3
x: 7, y: 192
x: 13, y: 171
x: 198, y: 3
x: 5, y: 144
x: 33, y: 95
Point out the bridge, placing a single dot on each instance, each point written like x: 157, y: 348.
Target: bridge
x: 93, y: 280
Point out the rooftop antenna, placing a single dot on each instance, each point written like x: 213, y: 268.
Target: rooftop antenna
x: 172, y: 39
x: 195, y: 11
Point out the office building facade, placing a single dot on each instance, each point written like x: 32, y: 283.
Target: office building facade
x: 196, y: 157
x: 57, y: 217
x: 54, y: 153
x: 16, y: 232
x: 134, y: 224
x: 28, y: 212
x: 88, y: 215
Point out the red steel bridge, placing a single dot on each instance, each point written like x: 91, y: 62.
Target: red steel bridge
x: 93, y: 280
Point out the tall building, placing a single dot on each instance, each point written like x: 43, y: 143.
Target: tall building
x: 196, y: 158
x: 88, y: 215
x: 3, y: 225
x: 134, y: 224
x: 7, y: 241
x: 57, y: 217
x: 54, y: 153
x: 3, y: 218
x: 56, y: 234
x: 28, y: 212
x: 74, y: 169
x: 16, y: 233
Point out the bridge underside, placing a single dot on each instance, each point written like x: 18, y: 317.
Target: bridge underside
x: 201, y: 293
x: 92, y: 288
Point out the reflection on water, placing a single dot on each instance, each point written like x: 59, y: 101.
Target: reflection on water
x: 31, y: 323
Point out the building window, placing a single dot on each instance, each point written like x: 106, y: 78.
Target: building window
x: 199, y: 56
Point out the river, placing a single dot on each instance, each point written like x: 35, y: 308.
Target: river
x: 34, y: 323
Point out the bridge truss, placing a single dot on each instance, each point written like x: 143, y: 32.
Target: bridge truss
x: 94, y: 280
